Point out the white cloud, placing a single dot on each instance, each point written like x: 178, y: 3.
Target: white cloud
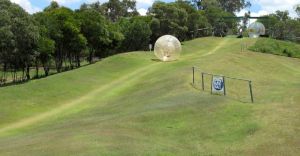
x: 258, y: 14
x: 141, y: 4
x: 142, y: 11
x: 253, y: 14
x: 92, y: 1
x: 271, y: 6
x: 66, y: 1
x: 26, y: 4
x: 146, y: 2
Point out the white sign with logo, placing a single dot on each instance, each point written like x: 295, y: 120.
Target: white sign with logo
x: 150, y: 47
x: 217, y: 85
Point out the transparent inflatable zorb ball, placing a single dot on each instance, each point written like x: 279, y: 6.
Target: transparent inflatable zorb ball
x: 167, y: 48
x: 255, y: 29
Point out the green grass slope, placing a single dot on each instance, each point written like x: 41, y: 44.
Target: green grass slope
x: 131, y: 104
x: 277, y: 47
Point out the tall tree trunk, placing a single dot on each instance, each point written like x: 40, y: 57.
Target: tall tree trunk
x: 91, y: 56
x: 23, y: 73
x: 46, y: 68
x: 59, y: 59
x: 71, y: 61
x: 5, y: 70
x: 78, y: 60
x: 4, y: 76
x: 27, y: 72
x: 58, y: 64
x: 36, y: 68
x: 15, y: 73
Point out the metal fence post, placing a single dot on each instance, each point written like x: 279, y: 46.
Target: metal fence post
x: 193, y: 75
x: 251, y: 94
x: 241, y: 47
x: 224, y: 85
x: 211, y: 83
x: 202, y: 75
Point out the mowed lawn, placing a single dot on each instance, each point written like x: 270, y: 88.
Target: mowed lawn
x: 132, y: 104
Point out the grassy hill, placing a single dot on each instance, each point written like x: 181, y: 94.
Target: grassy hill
x: 131, y: 104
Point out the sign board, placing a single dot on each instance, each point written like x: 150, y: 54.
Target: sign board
x: 217, y: 85
x: 150, y: 47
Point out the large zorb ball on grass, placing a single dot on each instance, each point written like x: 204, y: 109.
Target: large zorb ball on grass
x: 256, y: 29
x: 167, y: 48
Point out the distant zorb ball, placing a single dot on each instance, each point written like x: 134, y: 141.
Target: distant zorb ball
x: 167, y: 48
x: 255, y: 29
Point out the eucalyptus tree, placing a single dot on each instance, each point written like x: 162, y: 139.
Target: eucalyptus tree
x: 281, y: 26
x: 297, y: 9
x: 64, y: 29
x: 53, y: 5
x: 115, y: 9
x: 137, y: 33
x: 26, y: 35
x: 168, y: 18
x: 217, y: 19
x: 77, y: 46
x: 46, y: 49
x: 94, y: 27
x: 197, y: 23
x: 276, y: 23
x: 115, y: 39
x: 19, y: 37
x: 233, y: 6
x: 6, y: 40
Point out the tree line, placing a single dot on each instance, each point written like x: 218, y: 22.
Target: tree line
x: 282, y: 27
x: 60, y: 38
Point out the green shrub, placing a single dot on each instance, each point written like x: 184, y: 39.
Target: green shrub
x: 276, y: 47
x: 287, y: 53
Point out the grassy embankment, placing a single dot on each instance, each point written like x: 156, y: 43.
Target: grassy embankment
x: 131, y: 104
x: 276, y: 47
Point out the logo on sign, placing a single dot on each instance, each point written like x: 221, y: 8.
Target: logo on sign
x: 217, y: 84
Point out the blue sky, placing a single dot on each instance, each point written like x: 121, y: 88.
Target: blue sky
x: 259, y: 7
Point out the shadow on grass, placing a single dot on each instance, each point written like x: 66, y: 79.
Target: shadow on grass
x: 227, y: 96
x: 156, y: 60
x: 65, y: 69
